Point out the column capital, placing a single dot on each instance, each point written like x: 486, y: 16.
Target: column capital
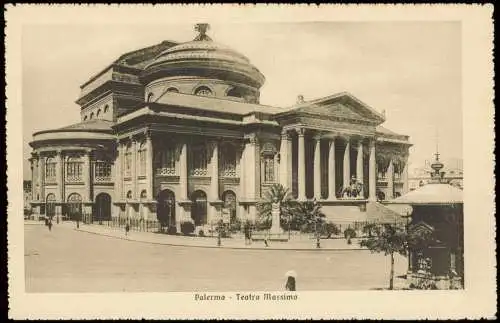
x: 59, y: 152
x: 318, y: 137
x: 254, y: 140
x: 300, y: 131
x: 284, y: 134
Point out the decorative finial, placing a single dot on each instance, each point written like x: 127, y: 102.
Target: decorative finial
x: 202, y: 29
x: 383, y: 112
x: 300, y: 98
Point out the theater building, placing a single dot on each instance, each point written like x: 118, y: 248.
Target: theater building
x: 178, y: 130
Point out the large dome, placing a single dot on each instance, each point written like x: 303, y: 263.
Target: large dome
x: 204, y: 58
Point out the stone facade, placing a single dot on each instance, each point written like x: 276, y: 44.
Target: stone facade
x: 163, y: 133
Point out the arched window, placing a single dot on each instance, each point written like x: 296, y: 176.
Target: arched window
x: 74, y: 169
x: 150, y: 97
x: 203, y: 90
x: 234, y: 92
x: 172, y: 90
x: 92, y: 116
x: 98, y: 113
x: 142, y: 159
x: 144, y: 194
x: 50, y: 170
x: 129, y: 194
x: 228, y: 160
x: 198, y: 159
x: 106, y: 108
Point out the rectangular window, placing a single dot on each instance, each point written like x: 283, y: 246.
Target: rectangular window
x: 128, y: 163
x: 74, y: 171
x: 50, y: 171
x: 102, y: 171
x: 228, y: 158
x: 165, y: 161
x: 198, y: 160
x: 269, y: 169
x: 142, y: 162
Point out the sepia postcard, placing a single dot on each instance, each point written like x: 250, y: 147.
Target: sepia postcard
x: 250, y: 162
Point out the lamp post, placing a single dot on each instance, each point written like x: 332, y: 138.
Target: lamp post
x: 219, y: 242
x: 317, y: 233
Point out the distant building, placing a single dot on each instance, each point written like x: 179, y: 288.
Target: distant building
x: 27, y: 195
x: 452, y: 173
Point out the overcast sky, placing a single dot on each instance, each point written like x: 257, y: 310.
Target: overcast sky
x: 411, y: 70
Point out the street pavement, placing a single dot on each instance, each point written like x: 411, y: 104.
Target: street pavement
x: 69, y: 260
x: 303, y: 242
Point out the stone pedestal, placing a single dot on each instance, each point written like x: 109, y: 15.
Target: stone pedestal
x: 275, y: 219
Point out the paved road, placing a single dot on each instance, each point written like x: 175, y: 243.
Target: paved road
x: 66, y: 260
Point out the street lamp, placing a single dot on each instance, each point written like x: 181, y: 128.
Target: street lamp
x: 219, y: 242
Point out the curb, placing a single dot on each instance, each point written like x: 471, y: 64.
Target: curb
x: 221, y: 247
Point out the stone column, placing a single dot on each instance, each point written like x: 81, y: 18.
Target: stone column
x: 60, y: 184
x: 347, y: 164
x: 118, y: 178
x: 301, y: 165
x: 405, y: 176
x: 135, y: 194
x: 331, y: 170
x: 372, y: 181
x: 87, y: 178
x: 41, y: 178
x: 184, y: 202
x: 390, y: 180
x: 283, y: 174
x: 118, y: 174
x: 289, y: 162
x: 359, y: 166
x: 317, y: 168
x: 149, y: 166
x: 215, y: 202
x: 87, y: 164
x: 251, y: 158
x: 149, y: 213
x: 243, y: 182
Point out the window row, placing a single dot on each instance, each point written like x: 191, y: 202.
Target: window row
x: 97, y: 114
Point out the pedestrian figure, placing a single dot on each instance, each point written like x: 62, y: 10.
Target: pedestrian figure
x: 247, y: 234
x: 265, y: 242
x: 127, y: 229
x: 50, y: 225
x: 290, y: 280
x: 46, y: 221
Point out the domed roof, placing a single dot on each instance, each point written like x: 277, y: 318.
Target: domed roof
x: 204, y: 57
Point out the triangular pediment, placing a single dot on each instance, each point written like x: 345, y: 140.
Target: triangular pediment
x: 340, y: 106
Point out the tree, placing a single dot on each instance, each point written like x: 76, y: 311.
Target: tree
x: 389, y: 239
x: 277, y: 193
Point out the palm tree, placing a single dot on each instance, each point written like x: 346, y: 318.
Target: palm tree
x: 309, y: 217
x: 277, y: 193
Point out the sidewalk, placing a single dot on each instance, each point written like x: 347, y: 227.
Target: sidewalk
x: 211, y: 242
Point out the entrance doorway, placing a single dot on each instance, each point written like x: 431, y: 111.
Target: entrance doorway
x: 166, y: 208
x: 229, y: 199
x: 50, y: 201
x: 102, y: 208
x: 199, y: 208
x: 75, y: 207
